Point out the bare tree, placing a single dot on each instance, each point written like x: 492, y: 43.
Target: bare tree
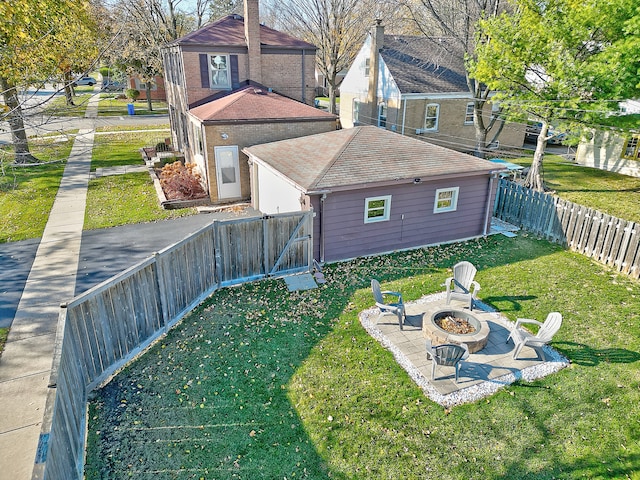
x: 336, y: 27
x: 147, y: 25
x: 457, y: 19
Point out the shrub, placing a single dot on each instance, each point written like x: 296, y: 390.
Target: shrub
x: 132, y: 94
x: 181, y: 182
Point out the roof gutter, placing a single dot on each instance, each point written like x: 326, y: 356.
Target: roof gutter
x: 418, y: 179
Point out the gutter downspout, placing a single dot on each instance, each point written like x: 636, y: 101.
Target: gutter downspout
x: 486, y: 218
x: 322, y: 199
x: 304, y: 97
x: 404, y: 114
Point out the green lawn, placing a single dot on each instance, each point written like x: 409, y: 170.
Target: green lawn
x: 111, y: 105
x: 27, y: 193
x: 57, y: 106
x: 123, y: 147
x: 125, y: 199
x: 259, y: 382
x: 617, y: 195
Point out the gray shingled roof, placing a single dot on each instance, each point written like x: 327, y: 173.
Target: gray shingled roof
x: 363, y: 155
x: 229, y: 32
x: 424, y: 65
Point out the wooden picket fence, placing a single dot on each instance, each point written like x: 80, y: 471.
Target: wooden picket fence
x: 605, y: 238
x: 104, y: 328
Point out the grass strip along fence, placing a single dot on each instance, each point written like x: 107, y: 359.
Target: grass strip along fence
x: 605, y: 238
x: 107, y: 326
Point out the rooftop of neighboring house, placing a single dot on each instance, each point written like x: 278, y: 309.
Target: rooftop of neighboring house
x: 363, y: 155
x: 424, y: 65
x: 229, y: 32
x: 256, y: 103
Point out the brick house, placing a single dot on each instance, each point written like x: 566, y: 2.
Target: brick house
x: 228, y: 86
x: 420, y: 90
x: 157, y: 88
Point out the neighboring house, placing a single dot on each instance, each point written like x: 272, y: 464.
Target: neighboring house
x: 373, y: 190
x: 218, y: 60
x: 157, y: 88
x: 611, y: 151
x: 420, y: 90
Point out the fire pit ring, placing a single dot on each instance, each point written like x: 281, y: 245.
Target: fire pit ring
x: 475, y: 341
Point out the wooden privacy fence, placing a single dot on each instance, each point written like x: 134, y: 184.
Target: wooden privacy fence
x: 605, y: 238
x: 104, y: 328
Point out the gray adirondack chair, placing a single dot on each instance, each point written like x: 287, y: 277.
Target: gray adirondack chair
x: 462, y: 285
x: 447, y: 354
x: 395, y: 307
x: 522, y: 337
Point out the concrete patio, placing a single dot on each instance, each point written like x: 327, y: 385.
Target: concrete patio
x: 482, y: 374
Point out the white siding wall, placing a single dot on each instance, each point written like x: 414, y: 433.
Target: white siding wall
x: 275, y: 194
x: 356, y: 84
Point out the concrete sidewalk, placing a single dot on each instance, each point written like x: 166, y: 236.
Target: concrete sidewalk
x: 25, y: 364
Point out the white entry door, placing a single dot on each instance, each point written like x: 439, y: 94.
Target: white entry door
x: 228, y: 172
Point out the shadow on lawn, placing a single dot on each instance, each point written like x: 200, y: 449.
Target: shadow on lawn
x: 502, y: 303
x: 590, y: 467
x: 588, y: 357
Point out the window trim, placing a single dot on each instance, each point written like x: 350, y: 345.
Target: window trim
x: 367, y: 66
x: 212, y: 84
x: 355, y: 111
x: 469, y: 120
x: 386, y: 209
x: 636, y: 148
x: 454, y: 200
x: 436, y: 117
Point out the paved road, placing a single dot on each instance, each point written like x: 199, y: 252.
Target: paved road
x: 38, y: 124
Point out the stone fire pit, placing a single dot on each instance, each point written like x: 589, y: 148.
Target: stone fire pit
x: 475, y: 340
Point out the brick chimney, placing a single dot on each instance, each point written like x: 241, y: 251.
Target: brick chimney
x: 377, y: 41
x: 252, y: 36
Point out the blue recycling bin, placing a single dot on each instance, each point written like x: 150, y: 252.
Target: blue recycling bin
x: 130, y: 109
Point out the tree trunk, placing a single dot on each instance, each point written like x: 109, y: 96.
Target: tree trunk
x: 16, y: 122
x: 147, y: 87
x: 68, y: 92
x: 535, y: 178
x: 332, y: 97
x: 480, y: 130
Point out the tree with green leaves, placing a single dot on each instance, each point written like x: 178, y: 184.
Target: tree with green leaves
x: 38, y: 40
x: 457, y: 20
x: 562, y: 63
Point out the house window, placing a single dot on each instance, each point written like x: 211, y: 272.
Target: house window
x: 382, y: 115
x: 377, y: 209
x: 446, y: 200
x: 219, y: 71
x: 367, y: 67
x: 198, y: 144
x: 468, y: 116
x: 431, y: 117
x: 631, y: 149
x: 356, y: 111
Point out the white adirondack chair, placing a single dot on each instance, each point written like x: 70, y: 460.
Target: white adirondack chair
x: 447, y: 354
x: 396, y: 307
x: 462, y: 285
x: 522, y: 337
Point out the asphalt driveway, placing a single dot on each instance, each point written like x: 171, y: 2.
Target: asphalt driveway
x: 103, y: 254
